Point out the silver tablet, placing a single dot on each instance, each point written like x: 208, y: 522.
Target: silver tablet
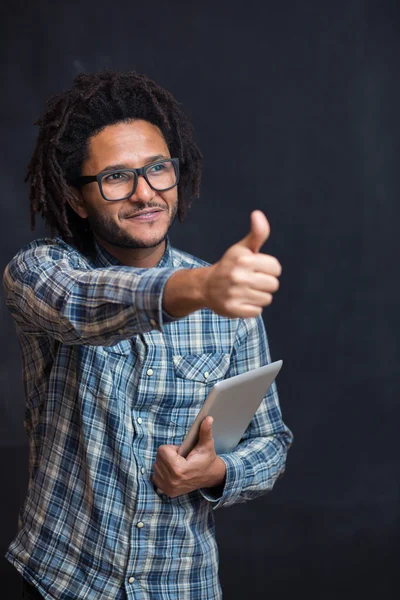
x: 232, y: 403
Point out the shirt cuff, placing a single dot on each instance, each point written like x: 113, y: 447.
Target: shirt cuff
x: 149, y: 299
x: 234, y: 479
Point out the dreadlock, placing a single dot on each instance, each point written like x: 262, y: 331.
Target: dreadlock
x: 72, y: 117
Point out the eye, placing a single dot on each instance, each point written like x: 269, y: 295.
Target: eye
x: 157, y: 168
x: 117, y: 177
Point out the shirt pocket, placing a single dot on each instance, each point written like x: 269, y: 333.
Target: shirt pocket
x: 100, y: 367
x: 195, y: 375
x: 206, y: 368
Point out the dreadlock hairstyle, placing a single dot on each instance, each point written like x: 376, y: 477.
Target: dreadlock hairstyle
x: 72, y: 117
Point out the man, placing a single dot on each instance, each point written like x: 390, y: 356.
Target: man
x: 122, y: 338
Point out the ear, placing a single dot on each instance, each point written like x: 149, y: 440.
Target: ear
x: 77, y: 203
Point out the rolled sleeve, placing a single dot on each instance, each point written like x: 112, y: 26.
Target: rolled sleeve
x: 235, y: 474
x: 148, y: 299
x: 51, y: 289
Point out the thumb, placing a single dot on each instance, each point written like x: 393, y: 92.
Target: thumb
x: 259, y: 232
x: 205, y: 433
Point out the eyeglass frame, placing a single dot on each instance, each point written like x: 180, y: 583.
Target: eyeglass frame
x: 140, y: 172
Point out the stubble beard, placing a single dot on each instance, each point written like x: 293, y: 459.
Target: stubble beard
x: 108, y: 230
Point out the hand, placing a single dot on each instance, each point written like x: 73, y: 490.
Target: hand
x: 239, y: 285
x: 242, y: 282
x: 175, y: 475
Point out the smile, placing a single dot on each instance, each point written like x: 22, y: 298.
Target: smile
x: 147, y: 215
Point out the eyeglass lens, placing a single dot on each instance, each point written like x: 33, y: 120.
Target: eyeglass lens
x: 120, y: 184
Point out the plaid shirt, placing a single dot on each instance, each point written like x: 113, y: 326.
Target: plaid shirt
x: 109, y: 377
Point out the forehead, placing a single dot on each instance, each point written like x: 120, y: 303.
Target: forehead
x: 131, y: 143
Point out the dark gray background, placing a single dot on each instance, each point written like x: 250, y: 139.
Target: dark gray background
x: 295, y: 106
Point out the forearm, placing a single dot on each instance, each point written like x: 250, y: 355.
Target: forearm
x: 184, y: 291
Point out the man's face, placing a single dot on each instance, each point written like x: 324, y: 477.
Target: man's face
x: 128, y: 223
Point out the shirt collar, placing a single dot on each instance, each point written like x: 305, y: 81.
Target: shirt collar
x: 104, y: 259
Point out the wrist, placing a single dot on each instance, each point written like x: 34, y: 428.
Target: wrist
x: 184, y: 291
x: 217, y: 474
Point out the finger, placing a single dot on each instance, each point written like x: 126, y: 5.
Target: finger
x: 167, y: 453
x: 263, y: 263
x: 159, y: 472
x: 163, y: 465
x: 263, y: 283
x: 259, y: 232
x: 174, y: 448
x: 248, y: 311
x: 205, y: 433
x: 161, y: 476
x: 256, y: 298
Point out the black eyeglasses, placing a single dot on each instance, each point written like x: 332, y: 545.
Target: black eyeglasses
x: 120, y: 184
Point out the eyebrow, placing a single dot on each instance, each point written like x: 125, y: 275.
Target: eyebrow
x: 149, y: 160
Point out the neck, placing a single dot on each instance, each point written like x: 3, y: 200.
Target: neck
x: 142, y: 258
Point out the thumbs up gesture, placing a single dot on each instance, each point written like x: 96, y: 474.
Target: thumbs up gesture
x: 242, y: 282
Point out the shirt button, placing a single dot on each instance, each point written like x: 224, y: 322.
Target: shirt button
x: 140, y: 525
x: 150, y: 372
x: 206, y: 374
x: 131, y: 579
x: 153, y: 323
x: 142, y: 470
x: 140, y: 420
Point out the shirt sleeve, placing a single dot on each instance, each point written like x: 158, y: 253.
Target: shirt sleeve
x: 50, y: 289
x: 260, y: 458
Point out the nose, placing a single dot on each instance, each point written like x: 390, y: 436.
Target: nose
x: 143, y: 191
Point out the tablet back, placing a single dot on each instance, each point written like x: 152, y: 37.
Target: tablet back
x: 232, y: 403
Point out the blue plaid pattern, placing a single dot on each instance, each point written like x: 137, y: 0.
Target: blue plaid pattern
x: 109, y: 377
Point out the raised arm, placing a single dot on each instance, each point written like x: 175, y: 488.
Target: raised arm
x: 50, y: 290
